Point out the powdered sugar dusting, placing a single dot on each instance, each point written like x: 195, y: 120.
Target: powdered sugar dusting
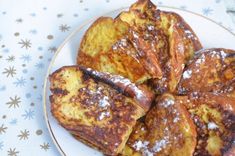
x: 223, y: 54
x: 104, y: 102
x: 150, y: 27
x: 161, y: 144
x: 143, y: 147
x: 212, y: 125
x: 187, y: 74
x: 168, y: 102
x: 200, y: 60
x: 104, y: 114
x: 140, y: 145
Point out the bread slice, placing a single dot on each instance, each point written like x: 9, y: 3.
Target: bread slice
x: 112, y: 46
x: 211, y: 70
x: 96, y: 112
x: 173, y: 40
x: 214, y: 117
x: 167, y: 130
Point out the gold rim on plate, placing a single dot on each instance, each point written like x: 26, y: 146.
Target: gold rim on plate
x: 70, y: 36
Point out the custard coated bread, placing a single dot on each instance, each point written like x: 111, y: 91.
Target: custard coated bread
x: 214, y: 117
x: 211, y: 70
x: 197, y: 124
x: 167, y: 130
x: 95, y: 112
x: 106, y: 47
x: 173, y: 40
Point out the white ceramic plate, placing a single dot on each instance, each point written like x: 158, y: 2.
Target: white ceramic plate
x: 210, y: 34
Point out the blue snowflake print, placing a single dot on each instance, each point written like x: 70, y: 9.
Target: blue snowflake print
x: 26, y: 58
x: 207, y: 11
x: 20, y: 82
x: 32, y: 14
x: 39, y: 97
x: 2, y: 88
x: 1, y: 145
x: 40, y: 48
x: 28, y: 114
x: 39, y: 65
x: 5, y: 50
x: 33, y: 31
x: 13, y: 122
x: 28, y: 95
x: 25, y: 71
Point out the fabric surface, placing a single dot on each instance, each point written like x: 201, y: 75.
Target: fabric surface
x: 30, y: 32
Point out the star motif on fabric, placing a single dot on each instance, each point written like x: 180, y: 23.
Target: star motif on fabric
x: 52, y: 49
x: 23, y: 135
x: 1, y: 145
x: 64, y: 27
x: 13, y: 152
x: 29, y: 114
x: 45, y: 146
x: 25, y: 43
x: 14, y: 102
x: 3, y: 129
x: 11, y: 71
x: 20, y: 82
x: 10, y: 58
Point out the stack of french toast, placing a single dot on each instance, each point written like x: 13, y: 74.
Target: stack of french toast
x: 144, y: 86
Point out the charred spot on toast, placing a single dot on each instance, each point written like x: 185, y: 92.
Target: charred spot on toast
x: 93, y: 110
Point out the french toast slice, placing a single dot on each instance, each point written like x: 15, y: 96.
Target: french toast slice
x: 167, y: 130
x: 214, y: 117
x: 110, y: 45
x: 211, y: 70
x: 95, y: 109
x: 173, y: 40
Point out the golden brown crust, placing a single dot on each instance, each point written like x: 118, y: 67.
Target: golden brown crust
x: 173, y: 39
x: 167, y: 130
x: 118, y: 51
x: 140, y: 93
x: 214, y: 116
x: 211, y: 70
x: 91, y: 109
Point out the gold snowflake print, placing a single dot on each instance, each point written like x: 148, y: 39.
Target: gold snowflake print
x: 3, y: 129
x: 52, y: 49
x: 11, y: 71
x: 13, y: 152
x: 10, y: 58
x: 64, y: 27
x: 25, y: 43
x: 14, y: 102
x: 45, y: 146
x: 24, y: 135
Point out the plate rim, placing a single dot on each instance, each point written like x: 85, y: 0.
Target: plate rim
x: 45, y: 114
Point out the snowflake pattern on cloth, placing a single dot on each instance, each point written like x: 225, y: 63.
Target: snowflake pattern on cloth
x: 30, y: 33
